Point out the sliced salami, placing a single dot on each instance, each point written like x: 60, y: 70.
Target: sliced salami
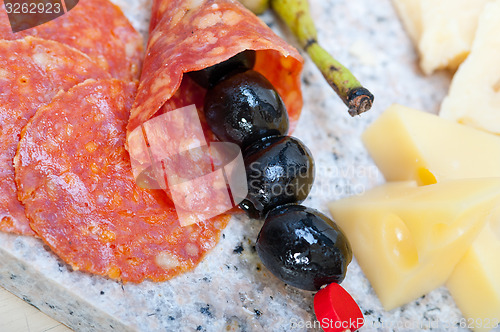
x: 32, y: 72
x: 75, y: 179
x: 98, y: 28
x: 192, y: 35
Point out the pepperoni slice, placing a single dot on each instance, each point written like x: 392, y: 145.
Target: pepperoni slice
x: 75, y: 179
x: 98, y: 28
x: 192, y: 35
x: 32, y: 72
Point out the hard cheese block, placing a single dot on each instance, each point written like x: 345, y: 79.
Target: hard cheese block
x: 407, y: 144
x: 411, y: 15
x: 475, y: 282
x: 442, y: 31
x: 474, y: 96
x: 448, y: 30
x: 407, y: 239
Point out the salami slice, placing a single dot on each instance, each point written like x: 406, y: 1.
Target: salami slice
x: 75, y: 179
x: 98, y: 28
x: 32, y: 72
x: 192, y: 35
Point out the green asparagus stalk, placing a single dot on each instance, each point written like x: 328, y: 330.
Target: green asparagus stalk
x: 345, y: 84
x: 296, y: 15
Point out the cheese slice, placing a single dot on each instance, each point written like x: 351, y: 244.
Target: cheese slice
x: 474, y: 96
x: 475, y: 282
x: 407, y: 239
x: 407, y: 144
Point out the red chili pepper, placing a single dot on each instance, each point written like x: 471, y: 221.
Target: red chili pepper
x: 336, y: 310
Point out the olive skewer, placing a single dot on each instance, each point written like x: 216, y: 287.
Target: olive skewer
x: 245, y: 109
x: 299, y: 245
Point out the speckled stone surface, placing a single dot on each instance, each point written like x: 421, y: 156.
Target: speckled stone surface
x: 230, y: 290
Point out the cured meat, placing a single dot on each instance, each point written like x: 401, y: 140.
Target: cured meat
x: 75, y: 179
x: 98, y: 28
x: 32, y: 72
x: 191, y: 169
x: 192, y: 35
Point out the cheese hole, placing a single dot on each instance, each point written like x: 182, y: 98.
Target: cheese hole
x: 425, y: 177
x: 399, y: 242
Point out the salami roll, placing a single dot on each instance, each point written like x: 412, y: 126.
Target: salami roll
x: 75, y: 179
x: 188, y: 36
x: 32, y: 72
x: 98, y: 28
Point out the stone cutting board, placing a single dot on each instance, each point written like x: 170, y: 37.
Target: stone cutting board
x: 231, y: 290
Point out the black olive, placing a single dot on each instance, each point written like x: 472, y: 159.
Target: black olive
x: 279, y: 170
x: 210, y: 76
x: 244, y: 108
x: 303, y: 247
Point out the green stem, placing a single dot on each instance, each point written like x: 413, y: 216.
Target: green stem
x: 355, y: 96
x: 297, y: 16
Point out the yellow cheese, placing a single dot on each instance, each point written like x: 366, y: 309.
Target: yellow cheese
x: 475, y: 282
x: 408, y: 239
x: 474, y: 96
x: 410, y: 145
x: 407, y: 144
x: 411, y: 16
x: 442, y: 31
x: 448, y: 29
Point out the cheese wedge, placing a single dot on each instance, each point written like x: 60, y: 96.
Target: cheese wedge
x: 407, y: 144
x: 475, y: 282
x: 442, y: 31
x: 448, y: 30
x: 411, y: 16
x: 407, y: 239
x: 474, y: 96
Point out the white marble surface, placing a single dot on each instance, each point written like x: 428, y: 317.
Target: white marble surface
x: 231, y: 290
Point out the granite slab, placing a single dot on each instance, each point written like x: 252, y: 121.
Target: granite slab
x: 230, y: 290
